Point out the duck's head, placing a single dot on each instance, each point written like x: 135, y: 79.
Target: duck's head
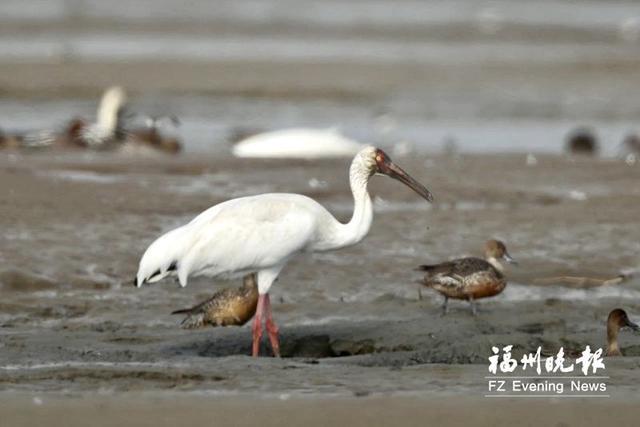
x: 374, y: 161
x: 495, y: 249
x: 618, y: 319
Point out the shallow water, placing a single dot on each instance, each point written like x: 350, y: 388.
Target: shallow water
x: 491, y: 77
x: 209, y: 131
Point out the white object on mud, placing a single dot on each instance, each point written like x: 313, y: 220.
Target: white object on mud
x: 297, y: 143
x: 578, y: 195
x: 531, y: 160
x: 259, y: 234
x: 113, y: 100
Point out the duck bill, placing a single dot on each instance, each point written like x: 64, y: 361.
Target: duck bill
x: 509, y: 259
x: 632, y: 325
x: 396, y: 172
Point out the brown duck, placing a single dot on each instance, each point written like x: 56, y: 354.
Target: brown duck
x: 617, y: 320
x: 108, y: 132
x: 469, y: 278
x: 227, y: 307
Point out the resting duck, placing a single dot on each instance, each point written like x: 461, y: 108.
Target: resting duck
x: 227, y: 307
x: 78, y: 133
x: 111, y: 132
x: 10, y: 140
x: 151, y: 137
x: 617, y: 320
x: 469, y: 278
x: 582, y: 141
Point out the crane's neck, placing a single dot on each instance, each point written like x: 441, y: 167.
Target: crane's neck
x: 360, y: 223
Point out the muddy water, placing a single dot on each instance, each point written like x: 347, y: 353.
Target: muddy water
x: 486, y: 77
x: 75, y: 227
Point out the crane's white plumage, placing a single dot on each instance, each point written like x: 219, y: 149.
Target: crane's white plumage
x: 297, y: 143
x: 261, y: 233
x: 249, y: 234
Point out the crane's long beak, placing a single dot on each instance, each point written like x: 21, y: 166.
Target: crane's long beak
x: 394, y: 171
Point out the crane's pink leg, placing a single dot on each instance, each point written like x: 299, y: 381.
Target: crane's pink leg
x: 272, y: 328
x: 257, y: 325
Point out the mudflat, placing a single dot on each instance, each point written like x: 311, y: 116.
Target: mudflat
x: 357, y: 339
x: 319, y: 411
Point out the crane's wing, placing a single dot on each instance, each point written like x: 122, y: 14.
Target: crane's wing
x: 233, y: 238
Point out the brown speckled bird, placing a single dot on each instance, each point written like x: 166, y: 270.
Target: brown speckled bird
x: 469, y: 278
x: 227, y: 307
x: 617, y: 320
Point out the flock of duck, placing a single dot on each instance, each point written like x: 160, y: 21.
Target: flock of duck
x: 254, y: 237
x: 110, y: 131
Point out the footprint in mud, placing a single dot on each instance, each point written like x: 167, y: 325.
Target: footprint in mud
x: 318, y: 346
x: 311, y: 346
x: 342, y: 347
x: 321, y: 346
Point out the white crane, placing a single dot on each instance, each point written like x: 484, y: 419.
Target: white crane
x: 297, y: 143
x: 259, y: 234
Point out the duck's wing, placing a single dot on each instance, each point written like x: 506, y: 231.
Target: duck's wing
x: 455, y: 270
x: 206, y: 305
x: 198, y: 315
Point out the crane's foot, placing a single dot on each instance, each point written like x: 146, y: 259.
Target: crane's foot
x: 272, y: 328
x: 264, y: 310
x: 257, y: 327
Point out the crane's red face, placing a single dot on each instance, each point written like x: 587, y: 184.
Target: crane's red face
x: 385, y: 166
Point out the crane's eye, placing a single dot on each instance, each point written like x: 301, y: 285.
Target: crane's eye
x: 379, y: 158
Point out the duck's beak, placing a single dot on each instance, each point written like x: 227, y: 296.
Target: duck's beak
x: 387, y: 167
x: 509, y: 259
x: 630, y: 324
